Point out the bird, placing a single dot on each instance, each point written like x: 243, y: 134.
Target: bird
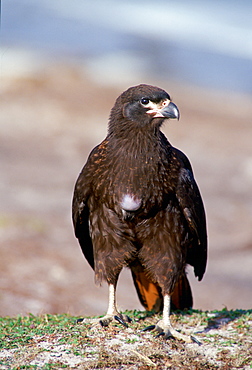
x: 136, y: 204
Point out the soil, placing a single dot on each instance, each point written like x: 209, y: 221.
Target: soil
x: 215, y: 340
x: 49, y: 122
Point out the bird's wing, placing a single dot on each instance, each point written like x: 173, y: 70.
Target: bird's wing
x: 80, y: 209
x: 190, y: 201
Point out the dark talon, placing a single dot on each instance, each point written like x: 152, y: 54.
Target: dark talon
x: 121, y: 321
x: 78, y: 321
x: 129, y: 319
x: 151, y: 327
x: 103, y: 323
x: 196, y: 340
x: 160, y: 334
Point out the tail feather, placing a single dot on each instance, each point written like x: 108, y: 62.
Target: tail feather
x: 150, y: 294
x: 182, y: 295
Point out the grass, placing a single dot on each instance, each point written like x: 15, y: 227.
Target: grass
x: 58, y: 342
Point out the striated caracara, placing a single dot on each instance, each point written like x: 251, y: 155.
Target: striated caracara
x: 136, y: 204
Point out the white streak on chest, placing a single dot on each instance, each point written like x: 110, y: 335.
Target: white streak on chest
x: 130, y: 203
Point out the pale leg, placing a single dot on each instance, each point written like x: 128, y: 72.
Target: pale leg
x: 112, y: 312
x: 164, y: 327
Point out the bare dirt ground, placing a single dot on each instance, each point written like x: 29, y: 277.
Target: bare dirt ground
x: 222, y: 340
x: 49, y: 122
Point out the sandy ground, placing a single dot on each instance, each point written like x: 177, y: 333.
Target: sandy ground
x: 49, y: 122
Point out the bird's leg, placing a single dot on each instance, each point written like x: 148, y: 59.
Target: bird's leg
x: 164, y: 326
x: 168, y: 330
x: 112, y: 312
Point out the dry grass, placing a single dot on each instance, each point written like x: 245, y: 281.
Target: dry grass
x: 57, y: 342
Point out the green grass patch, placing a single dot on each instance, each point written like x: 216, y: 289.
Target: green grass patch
x: 53, y: 341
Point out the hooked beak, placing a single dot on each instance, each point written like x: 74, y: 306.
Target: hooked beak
x: 170, y: 111
x: 167, y: 109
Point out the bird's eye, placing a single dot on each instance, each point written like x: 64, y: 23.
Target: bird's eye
x: 145, y: 101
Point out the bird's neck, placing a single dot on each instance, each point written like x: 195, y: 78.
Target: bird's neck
x: 135, y: 136
x: 135, y: 144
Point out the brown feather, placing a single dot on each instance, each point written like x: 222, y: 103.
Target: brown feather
x: 150, y: 294
x: 136, y: 199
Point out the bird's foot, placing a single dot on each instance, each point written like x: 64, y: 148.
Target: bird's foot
x: 167, y: 331
x: 107, y: 319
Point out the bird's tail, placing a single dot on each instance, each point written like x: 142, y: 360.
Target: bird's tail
x: 182, y: 294
x: 150, y: 294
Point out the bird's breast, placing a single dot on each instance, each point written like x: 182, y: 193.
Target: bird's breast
x: 130, y: 202
x: 133, y: 182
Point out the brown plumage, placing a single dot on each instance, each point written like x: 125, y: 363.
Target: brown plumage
x: 136, y: 204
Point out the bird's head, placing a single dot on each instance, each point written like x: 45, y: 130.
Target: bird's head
x: 143, y: 105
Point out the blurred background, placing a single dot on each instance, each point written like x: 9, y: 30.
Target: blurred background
x: 62, y: 65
